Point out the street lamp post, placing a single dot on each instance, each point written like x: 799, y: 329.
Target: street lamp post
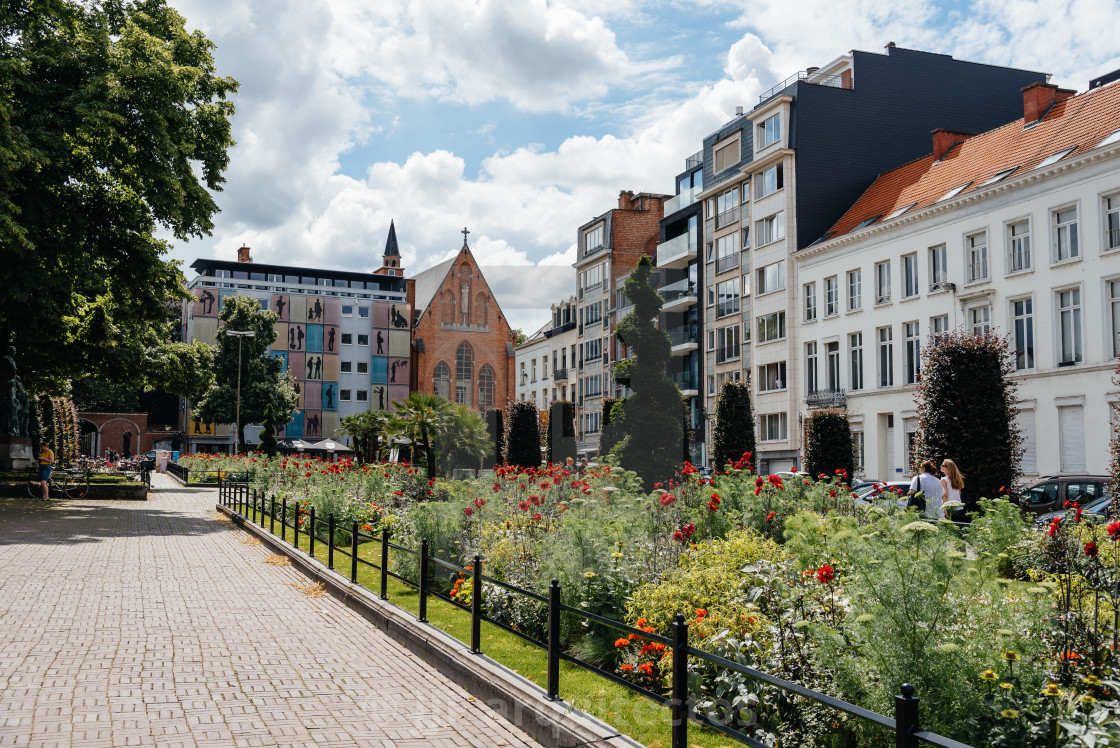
x: 240, y: 335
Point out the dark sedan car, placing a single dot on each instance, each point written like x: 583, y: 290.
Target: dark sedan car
x: 1051, y: 492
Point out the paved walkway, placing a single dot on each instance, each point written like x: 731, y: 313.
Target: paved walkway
x: 149, y: 623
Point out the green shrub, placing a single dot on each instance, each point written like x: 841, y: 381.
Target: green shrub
x: 998, y: 527
x: 561, y: 431
x: 495, y: 426
x: 828, y: 444
x: 523, y: 439
x: 733, y: 433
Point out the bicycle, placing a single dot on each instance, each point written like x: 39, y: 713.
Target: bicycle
x: 73, y: 484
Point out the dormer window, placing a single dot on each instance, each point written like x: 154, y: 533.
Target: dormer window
x: 1054, y: 158
x: 770, y: 131
x: 954, y: 192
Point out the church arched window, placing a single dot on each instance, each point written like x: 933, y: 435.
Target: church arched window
x: 442, y: 380
x: 485, y: 388
x: 464, y: 373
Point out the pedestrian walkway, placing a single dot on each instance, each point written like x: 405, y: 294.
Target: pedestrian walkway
x: 150, y: 623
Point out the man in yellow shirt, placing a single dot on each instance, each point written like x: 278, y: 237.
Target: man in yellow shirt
x: 46, y: 459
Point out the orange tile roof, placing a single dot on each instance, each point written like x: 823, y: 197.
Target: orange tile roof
x: 1080, y: 122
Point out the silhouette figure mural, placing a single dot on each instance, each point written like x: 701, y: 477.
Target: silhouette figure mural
x: 313, y: 425
x: 330, y: 340
x: 396, y: 319
x: 280, y: 306
x: 393, y: 371
x: 207, y: 300
x: 315, y: 312
x: 328, y: 397
x: 292, y: 337
x: 299, y: 338
x: 198, y: 428
x: 379, y: 393
x: 380, y: 343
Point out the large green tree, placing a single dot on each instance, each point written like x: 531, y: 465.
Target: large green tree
x: 650, y: 422
x: 114, y: 125
x: 267, y: 393
x: 422, y: 417
x: 733, y: 432
x: 367, y: 431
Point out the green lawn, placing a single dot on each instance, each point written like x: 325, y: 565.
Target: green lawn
x: 629, y: 713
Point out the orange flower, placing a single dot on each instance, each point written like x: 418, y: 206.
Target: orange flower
x: 622, y: 642
x: 645, y: 668
x: 626, y: 668
x: 701, y: 612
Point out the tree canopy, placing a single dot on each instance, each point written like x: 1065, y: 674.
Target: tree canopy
x: 267, y: 394
x: 733, y: 432
x: 114, y: 125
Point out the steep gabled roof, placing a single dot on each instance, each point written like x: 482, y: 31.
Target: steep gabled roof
x: 1080, y: 123
x: 391, y: 248
x: 428, y: 282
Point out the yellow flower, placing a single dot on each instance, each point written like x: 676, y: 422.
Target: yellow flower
x: 589, y: 574
x: 1051, y: 690
x: 1009, y: 713
x: 1006, y: 686
x: 1009, y: 655
x: 1087, y: 699
x: 988, y: 675
x: 617, y: 555
x: 1092, y: 680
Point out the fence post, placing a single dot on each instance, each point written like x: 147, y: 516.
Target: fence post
x: 311, y: 533
x: 354, y: 553
x: 476, y: 606
x: 423, y: 581
x: 680, y: 683
x: 906, y: 718
x: 384, y: 563
x: 554, y: 640
x: 272, y: 517
x: 283, y: 517
x: 330, y: 541
x: 253, y: 505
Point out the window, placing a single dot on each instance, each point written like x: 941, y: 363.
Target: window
x: 592, y: 278
x: 998, y: 176
x: 953, y: 192
x: 592, y: 422
x: 442, y: 379
x: 1054, y: 158
x: 1022, y: 320
x: 810, y: 302
x: 855, y: 343
x: 363, y: 367
x: 771, y: 327
x: 938, y: 265
x: 1065, y: 234
x: 345, y: 366
x: 486, y: 388
x: 886, y: 357
x: 1113, y: 288
x: 592, y: 351
x: 768, y: 182
x: 726, y: 154
x: 1069, y: 320
x: 711, y: 386
x: 727, y: 253
x: 855, y: 290
x: 347, y: 310
x: 771, y: 277
x: 344, y: 396
x: 882, y: 282
x: 976, y: 256
x: 770, y: 131
x: 900, y: 211
x: 858, y: 451
x: 464, y: 373
x: 831, y: 296
x: 938, y: 325
x: 728, y: 293
x: 746, y: 233
x: 363, y: 339
x: 1112, y: 223
x: 913, y: 352
x: 363, y: 395
x: 772, y: 377
x: 593, y: 313
x: 348, y: 338
x: 593, y: 240
x: 1113, y: 138
x: 727, y: 208
x: 711, y: 340
x: 363, y: 311
x: 770, y: 229
x: 832, y: 364
x: 909, y: 276
x: 810, y: 368
x: 980, y: 319
x: 773, y: 427
x: 728, y: 344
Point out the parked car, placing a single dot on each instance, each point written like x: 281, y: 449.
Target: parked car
x: 882, y: 491
x: 1095, y: 511
x: 861, y: 482
x: 1050, y: 492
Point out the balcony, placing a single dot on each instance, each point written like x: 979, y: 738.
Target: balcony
x: 826, y: 399
x: 678, y: 296
x: 728, y: 262
x: 683, y: 339
x: 681, y: 201
x: 677, y: 252
x: 560, y: 330
x: 727, y: 217
x: 694, y: 160
x: 560, y: 375
x: 686, y: 383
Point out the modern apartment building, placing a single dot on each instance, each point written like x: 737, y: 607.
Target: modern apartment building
x: 1017, y: 231
x: 608, y: 247
x: 819, y: 139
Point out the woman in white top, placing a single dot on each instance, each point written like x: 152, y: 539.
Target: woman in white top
x: 953, y: 481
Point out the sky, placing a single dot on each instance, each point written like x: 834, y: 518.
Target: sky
x: 523, y: 119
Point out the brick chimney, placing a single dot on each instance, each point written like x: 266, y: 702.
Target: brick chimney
x: 1038, y: 97
x: 243, y: 254
x: 944, y: 139
x: 625, y: 199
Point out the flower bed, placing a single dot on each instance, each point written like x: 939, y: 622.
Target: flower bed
x: 1008, y: 634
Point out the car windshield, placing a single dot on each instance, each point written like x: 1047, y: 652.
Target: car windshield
x: 1097, y: 507
x: 1043, y: 494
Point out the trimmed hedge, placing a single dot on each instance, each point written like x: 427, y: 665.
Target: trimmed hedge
x: 523, y: 438
x: 733, y: 433
x: 828, y: 444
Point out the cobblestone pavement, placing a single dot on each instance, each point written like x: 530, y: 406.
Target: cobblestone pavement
x: 149, y: 623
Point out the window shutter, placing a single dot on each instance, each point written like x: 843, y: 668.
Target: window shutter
x: 1024, y: 419
x: 1072, y: 425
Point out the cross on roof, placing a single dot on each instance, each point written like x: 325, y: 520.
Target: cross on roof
x: 465, y: 232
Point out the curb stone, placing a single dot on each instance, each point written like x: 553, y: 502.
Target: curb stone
x: 555, y: 724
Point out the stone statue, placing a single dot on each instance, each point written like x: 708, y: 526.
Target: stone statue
x: 14, y: 402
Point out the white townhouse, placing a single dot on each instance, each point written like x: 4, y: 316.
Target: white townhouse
x: 543, y: 359
x: 1015, y: 230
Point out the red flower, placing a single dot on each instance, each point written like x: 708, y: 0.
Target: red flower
x: 626, y: 668
x: 523, y: 506
x: 678, y: 537
x: 655, y: 485
x: 1090, y: 549
x: 1113, y: 530
x: 825, y: 574
x: 468, y: 511
x: 770, y: 516
x: 646, y: 668
x: 1054, y: 523
x: 712, y: 507
x: 1077, y: 517
x: 537, y: 518
x: 667, y: 499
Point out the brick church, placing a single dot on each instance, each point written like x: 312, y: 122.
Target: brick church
x: 462, y: 346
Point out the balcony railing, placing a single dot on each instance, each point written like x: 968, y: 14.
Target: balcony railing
x: 684, y: 381
x: 727, y: 217
x: 682, y: 335
x: 679, y: 290
x: 683, y: 200
x: 693, y: 161
x: 728, y: 262
x: 678, y: 249
x: 560, y: 375
x: 826, y: 399
x: 831, y: 81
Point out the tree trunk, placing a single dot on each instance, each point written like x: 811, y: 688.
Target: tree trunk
x: 241, y: 437
x: 429, y: 455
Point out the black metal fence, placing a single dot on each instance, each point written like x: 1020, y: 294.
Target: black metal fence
x: 205, y: 477
x: 259, y: 508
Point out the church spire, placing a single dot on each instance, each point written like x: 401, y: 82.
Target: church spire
x: 391, y: 257
x: 391, y: 248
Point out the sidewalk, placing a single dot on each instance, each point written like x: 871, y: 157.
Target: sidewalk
x: 125, y: 623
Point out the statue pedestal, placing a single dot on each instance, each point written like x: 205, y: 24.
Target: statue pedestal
x: 16, y: 454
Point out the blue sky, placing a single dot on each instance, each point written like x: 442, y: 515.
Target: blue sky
x: 522, y: 119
